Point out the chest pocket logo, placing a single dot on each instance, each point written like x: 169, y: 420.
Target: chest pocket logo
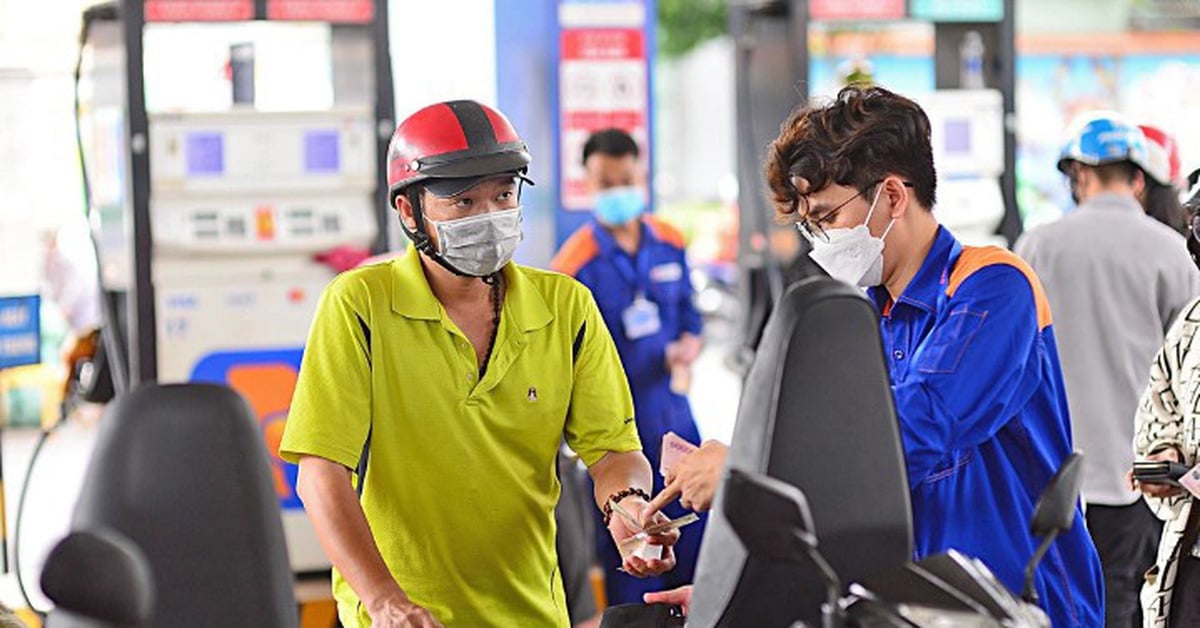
x: 532, y: 395
x: 666, y: 272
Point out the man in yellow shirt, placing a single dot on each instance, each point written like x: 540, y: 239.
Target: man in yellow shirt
x: 434, y: 393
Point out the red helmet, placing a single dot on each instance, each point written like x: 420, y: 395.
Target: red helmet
x: 1163, y: 165
x: 454, y: 144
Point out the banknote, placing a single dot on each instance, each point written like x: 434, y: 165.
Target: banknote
x: 639, y: 544
x: 1191, y: 481
x: 674, y: 449
x: 673, y: 524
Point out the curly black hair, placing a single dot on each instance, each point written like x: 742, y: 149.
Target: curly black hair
x: 864, y: 134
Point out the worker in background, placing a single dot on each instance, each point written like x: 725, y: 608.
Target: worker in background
x: 636, y: 267
x: 73, y: 285
x: 436, y: 389
x: 1116, y: 279
x: 969, y: 341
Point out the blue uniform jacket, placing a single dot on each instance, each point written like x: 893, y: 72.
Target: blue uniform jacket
x: 983, y: 415
x: 659, y: 271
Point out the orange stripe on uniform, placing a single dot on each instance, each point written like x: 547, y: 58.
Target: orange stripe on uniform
x: 976, y: 257
x: 665, y: 232
x: 577, y: 251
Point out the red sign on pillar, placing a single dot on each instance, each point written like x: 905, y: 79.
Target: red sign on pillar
x: 856, y: 9
x: 342, y: 11
x: 194, y: 11
x: 602, y: 84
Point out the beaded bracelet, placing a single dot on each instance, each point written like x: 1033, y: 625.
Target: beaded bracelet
x: 618, y: 496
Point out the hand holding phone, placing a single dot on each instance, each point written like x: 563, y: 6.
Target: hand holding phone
x: 1159, y: 472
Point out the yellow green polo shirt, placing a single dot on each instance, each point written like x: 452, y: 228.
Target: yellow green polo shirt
x: 460, y: 482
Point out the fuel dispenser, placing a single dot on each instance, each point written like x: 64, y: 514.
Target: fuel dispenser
x: 208, y: 220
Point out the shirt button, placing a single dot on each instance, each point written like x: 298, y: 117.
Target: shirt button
x: 470, y: 377
x: 898, y: 354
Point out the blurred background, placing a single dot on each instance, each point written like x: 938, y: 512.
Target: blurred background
x: 702, y: 85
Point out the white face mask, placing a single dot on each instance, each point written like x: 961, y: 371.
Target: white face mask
x: 853, y: 255
x: 480, y: 245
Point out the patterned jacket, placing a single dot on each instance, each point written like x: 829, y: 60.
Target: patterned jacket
x: 1169, y: 417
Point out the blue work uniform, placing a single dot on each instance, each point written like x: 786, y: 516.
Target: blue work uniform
x: 658, y: 273
x: 983, y: 415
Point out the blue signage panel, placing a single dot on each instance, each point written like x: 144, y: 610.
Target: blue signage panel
x: 569, y: 54
x: 20, y: 331
x: 266, y: 379
x: 957, y: 10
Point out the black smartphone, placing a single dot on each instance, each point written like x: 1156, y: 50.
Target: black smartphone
x: 1159, y: 471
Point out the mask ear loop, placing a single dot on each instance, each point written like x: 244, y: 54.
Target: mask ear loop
x: 419, y: 237
x: 866, y: 223
x: 888, y: 229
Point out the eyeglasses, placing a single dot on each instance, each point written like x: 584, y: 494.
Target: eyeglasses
x: 812, y: 230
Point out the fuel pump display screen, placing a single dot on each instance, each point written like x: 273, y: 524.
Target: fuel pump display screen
x: 205, y: 154
x: 321, y: 151
x: 957, y: 134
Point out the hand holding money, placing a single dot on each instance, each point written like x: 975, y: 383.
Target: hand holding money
x: 640, y: 544
x: 674, y: 449
x: 645, y: 550
x: 692, y: 478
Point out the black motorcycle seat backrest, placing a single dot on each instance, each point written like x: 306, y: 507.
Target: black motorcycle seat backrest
x: 182, y: 471
x: 816, y: 411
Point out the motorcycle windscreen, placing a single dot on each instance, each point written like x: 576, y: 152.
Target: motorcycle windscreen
x: 816, y: 411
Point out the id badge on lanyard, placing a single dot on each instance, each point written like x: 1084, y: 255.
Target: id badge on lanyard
x: 641, y: 319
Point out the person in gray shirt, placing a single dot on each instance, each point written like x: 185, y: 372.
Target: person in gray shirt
x: 1116, y: 279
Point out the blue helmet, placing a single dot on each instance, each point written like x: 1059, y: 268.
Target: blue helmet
x: 1103, y: 138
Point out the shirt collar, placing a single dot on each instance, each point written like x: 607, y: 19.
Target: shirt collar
x: 411, y: 295
x: 1111, y: 201
x: 922, y: 291
x: 606, y: 242
x: 413, y: 298
x: 523, y: 301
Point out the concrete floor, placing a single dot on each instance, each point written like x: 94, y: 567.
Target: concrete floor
x: 53, y: 489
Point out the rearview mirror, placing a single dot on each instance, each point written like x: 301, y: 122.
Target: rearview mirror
x: 1053, y: 515
x: 99, y: 575
x: 771, y: 517
x: 1055, y: 510
x: 773, y: 520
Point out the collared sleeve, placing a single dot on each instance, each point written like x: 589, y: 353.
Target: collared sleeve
x: 600, y: 418
x: 979, y: 365
x: 330, y: 415
x: 1160, y: 417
